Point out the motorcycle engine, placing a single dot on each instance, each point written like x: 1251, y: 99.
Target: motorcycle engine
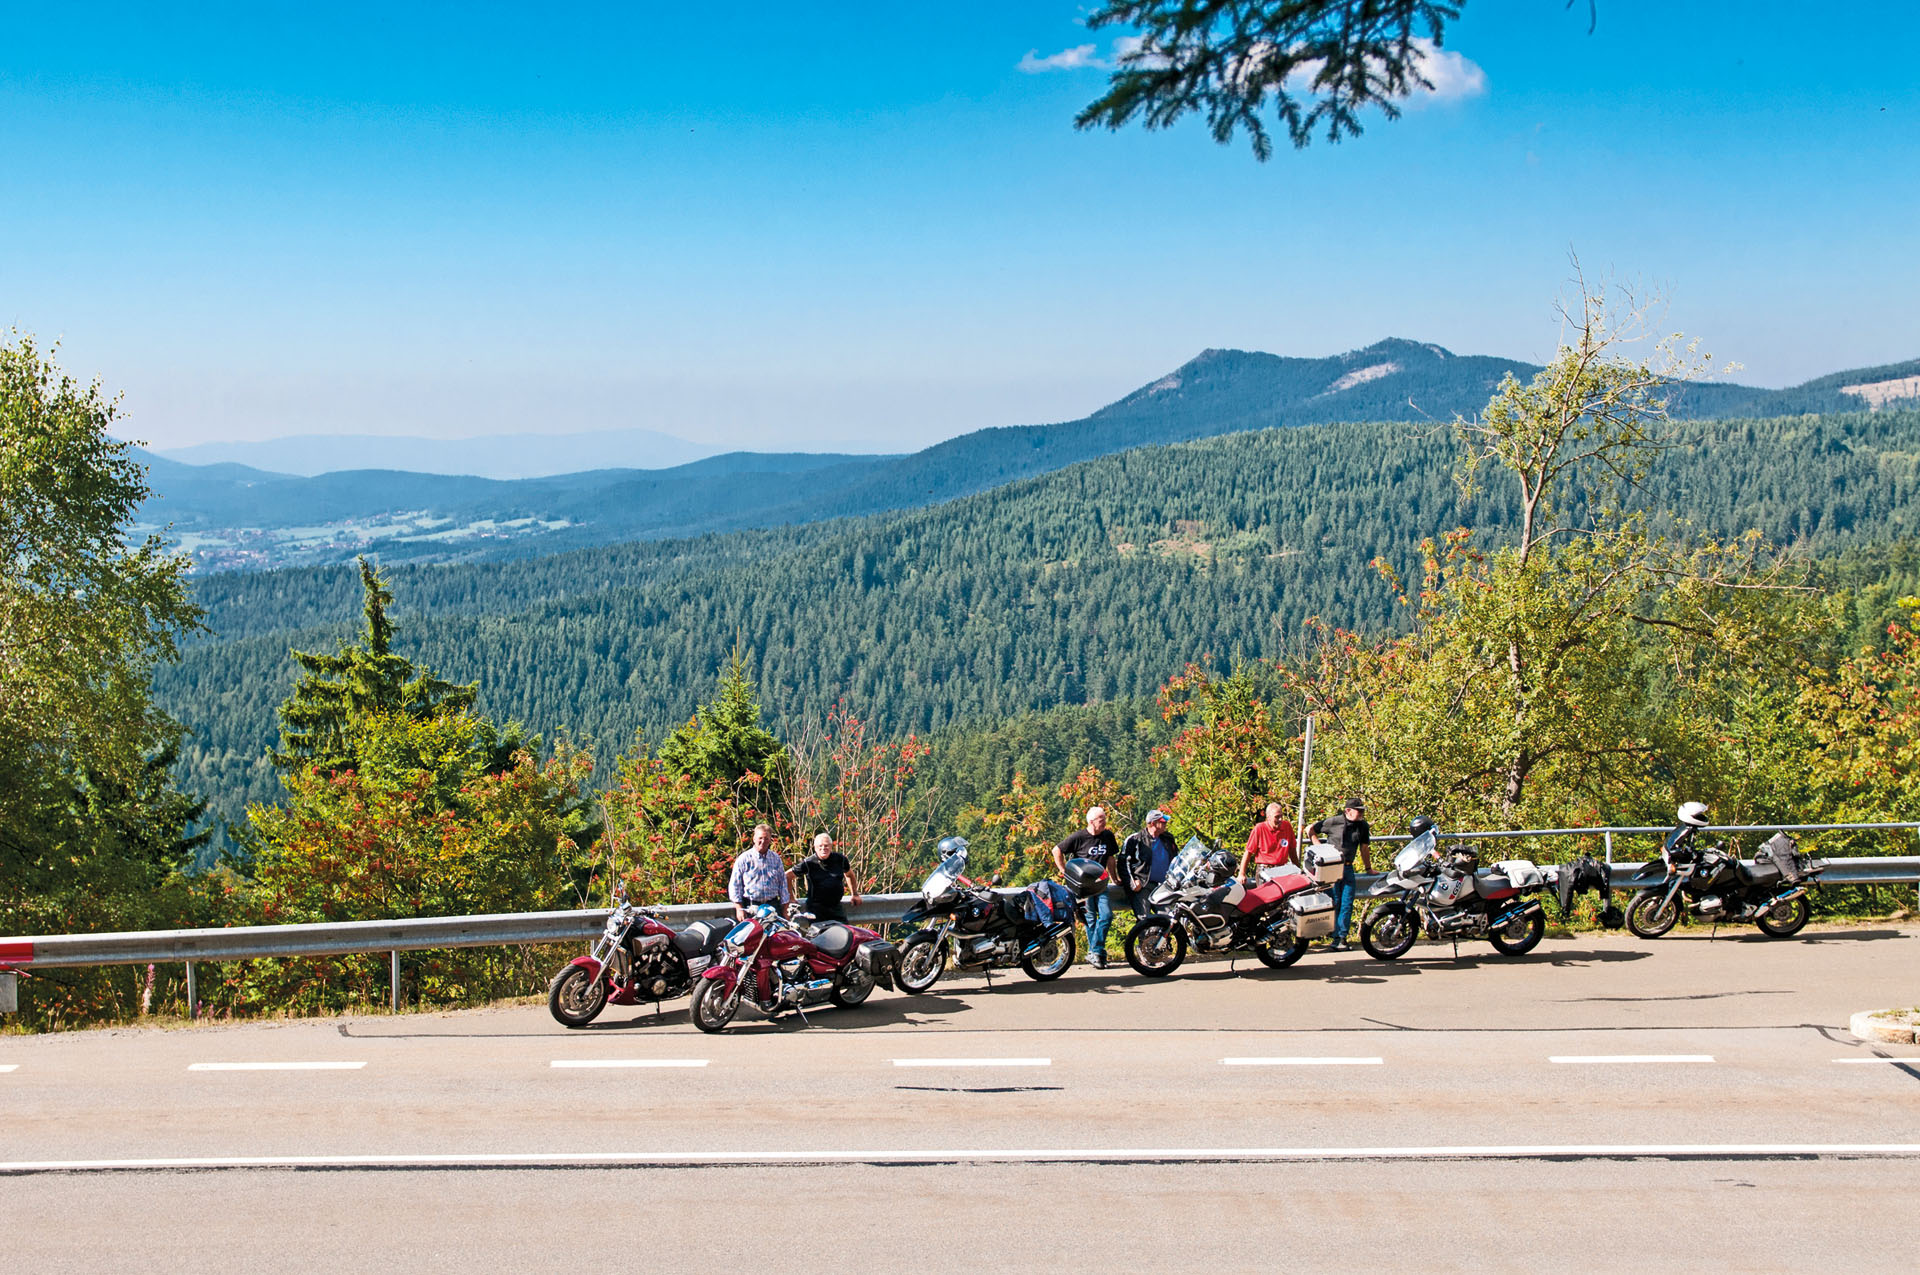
x: 1710, y: 904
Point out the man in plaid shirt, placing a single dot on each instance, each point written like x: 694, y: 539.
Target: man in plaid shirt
x: 759, y: 875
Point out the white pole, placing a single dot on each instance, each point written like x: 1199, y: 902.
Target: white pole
x: 1306, y: 765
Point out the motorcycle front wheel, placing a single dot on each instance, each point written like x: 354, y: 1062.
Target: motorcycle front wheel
x: 1268, y: 947
x: 1052, y: 958
x: 1389, y: 933
x: 1784, y: 920
x: 713, y: 1009
x: 854, y: 986
x: 575, y: 997
x: 923, y: 959
x: 1651, y: 915
x: 1520, y: 935
x: 1156, y: 948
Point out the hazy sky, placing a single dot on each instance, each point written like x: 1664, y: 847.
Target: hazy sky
x: 872, y: 226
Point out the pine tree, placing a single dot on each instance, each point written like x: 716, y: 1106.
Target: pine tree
x: 725, y: 741
x: 359, y: 679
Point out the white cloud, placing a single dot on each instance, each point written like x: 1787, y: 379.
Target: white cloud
x: 1454, y: 76
x: 1077, y: 58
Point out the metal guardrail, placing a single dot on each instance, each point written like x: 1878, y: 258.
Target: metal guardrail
x: 239, y: 943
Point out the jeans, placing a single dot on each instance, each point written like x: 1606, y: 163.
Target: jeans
x: 1098, y: 914
x: 1343, y: 904
x: 1137, y: 899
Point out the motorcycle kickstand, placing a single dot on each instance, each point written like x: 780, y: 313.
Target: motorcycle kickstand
x: 1456, y: 947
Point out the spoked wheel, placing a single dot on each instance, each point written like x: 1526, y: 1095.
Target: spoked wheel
x: 576, y: 997
x: 713, y: 1008
x: 1156, y: 948
x: 923, y: 958
x: 855, y: 985
x: 1279, y: 949
x: 1520, y: 935
x: 1052, y: 958
x: 1651, y: 915
x: 1389, y: 933
x: 1784, y: 920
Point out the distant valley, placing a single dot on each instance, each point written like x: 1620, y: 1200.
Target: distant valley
x: 232, y: 516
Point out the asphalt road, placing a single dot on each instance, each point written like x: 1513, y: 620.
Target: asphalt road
x: 1604, y: 1102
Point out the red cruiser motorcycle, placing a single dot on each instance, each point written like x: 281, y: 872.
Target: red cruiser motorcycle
x: 638, y: 958
x: 781, y: 966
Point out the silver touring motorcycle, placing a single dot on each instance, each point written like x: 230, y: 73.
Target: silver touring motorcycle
x: 1445, y: 894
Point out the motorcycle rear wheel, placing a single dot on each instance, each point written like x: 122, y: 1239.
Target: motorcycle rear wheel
x: 853, y: 987
x: 1793, y: 916
x: 1053, y: 958
x: 1649, y: 917
x: 1275, y: 957
x: 1389, y: 933
x: 1156, y: 948
x: 923, y: 959
x: 575, y: 997
x: 713, y: 1009
x: 1520, y: 936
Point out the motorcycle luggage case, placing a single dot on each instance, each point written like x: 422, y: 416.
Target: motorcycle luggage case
x: 879, y: 958
x: 1086, y: 877
x: 1325, y: 865
x: 1313, y: 914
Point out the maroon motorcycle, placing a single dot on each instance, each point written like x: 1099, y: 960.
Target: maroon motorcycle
x: 780, y: 966
x: 637, y: 958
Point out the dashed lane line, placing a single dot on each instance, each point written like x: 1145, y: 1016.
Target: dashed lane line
x: 1734, y: 1151
x: 568, y: 1063
x: 1908, y: 1062
x: 276, y: 1066
x: 1630, y: 1058
x: 1302, y: 1062
x: 4, y: 1067
x: 973, y: 1062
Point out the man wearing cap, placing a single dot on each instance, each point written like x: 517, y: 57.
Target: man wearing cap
x: 1144, y: 857
x: 1352, y: 836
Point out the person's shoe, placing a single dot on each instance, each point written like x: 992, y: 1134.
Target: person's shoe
x: 1097, y: 959
x: 1339, y: 945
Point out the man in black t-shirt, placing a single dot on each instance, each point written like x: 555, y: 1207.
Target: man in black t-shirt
x: 1350, y: 834
x: 828, y: 877
x: 1098, y: 843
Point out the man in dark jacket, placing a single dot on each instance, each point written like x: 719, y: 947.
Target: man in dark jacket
x: 1144, y: 857
x: 1349, y: 833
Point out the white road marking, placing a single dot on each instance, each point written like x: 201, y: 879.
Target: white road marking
x: 973, y: 1062
x: 629, y: 1062
x: 1913, y: 1061
x: 276, y: 1066
x: 9, y: 1066
x: 1631, y: 1058
x: 1302, y: 1062
x: 1044, y: 1155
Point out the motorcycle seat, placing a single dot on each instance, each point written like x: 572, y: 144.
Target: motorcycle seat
x: 1492, y: 885
x: 701, y: 936
x: 833, y: 938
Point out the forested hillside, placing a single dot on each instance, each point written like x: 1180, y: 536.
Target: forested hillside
x: 1085, y: 586
x: 233, y: 517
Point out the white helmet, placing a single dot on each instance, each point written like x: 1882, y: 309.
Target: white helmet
x: 1694, y: 813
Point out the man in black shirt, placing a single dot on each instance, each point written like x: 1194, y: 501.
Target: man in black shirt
x: 1350, y: 834
x: 1095, y: 842
x: 828, y: 877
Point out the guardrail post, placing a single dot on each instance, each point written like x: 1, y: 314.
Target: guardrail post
x: 9, y: 992
x: 193, y: 997
x: 395, y: 962
x: 1609, y: 850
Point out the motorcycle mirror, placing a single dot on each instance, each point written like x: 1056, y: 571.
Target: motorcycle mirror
x: 994, y: 879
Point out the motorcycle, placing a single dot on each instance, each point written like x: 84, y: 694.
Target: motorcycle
x: 970, y: 926
x: 1705, y: 879
x: 1202, y: 904
x: 780, y: 966
x: 638, y: 957
x: 1444, y: 893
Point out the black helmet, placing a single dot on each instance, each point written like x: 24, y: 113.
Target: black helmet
x: 1421, y: 825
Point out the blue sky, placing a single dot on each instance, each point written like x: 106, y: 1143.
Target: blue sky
x: 865, y: 226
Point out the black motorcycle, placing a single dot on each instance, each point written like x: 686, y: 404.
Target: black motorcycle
x: 975, y: 927
x: 1705, y: 879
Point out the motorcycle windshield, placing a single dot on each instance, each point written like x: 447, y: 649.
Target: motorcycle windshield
x: 942, y: 878
x: 1189, y: 866
x: 1417, y: 849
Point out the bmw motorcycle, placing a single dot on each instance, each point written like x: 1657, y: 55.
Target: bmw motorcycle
x: 1203, y: 905
x: 781, y: 966
x: 1445, y: 894
x: 970, y: 926
x: 1703, y: 878
x: 638, y: 957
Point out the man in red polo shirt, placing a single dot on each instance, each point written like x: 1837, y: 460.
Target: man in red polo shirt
x: 1269, y: 845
